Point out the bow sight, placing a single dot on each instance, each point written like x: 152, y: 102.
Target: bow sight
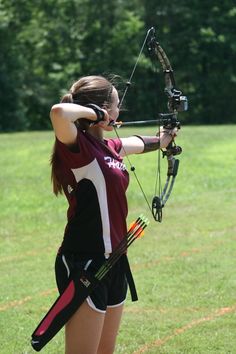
x: 177, y: 102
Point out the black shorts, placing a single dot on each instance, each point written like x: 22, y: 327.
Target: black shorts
x: 110, y: 292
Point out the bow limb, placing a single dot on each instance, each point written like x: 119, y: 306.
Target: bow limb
x: 159, y: 201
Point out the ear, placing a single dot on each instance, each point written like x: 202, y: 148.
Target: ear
x: 106, y: 106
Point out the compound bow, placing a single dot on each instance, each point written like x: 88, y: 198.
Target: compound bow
x: 176, y: 103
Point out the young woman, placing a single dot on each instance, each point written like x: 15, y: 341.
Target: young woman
x: 90, y: 171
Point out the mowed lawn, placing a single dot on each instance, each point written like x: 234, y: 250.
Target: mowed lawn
x: 184, y: 268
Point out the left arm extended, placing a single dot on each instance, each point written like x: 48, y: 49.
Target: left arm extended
x: 139, y: 144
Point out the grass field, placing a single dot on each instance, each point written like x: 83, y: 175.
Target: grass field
x: 184, y: 267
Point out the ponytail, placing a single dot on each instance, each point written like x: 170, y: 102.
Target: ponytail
x: 56, y: 184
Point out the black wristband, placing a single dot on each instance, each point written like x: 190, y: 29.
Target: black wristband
x: 99, y: 112
x: 151, y: 143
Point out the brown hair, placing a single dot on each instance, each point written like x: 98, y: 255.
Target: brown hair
x: 88, y: 89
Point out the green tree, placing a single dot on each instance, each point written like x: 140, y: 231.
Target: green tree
x: 58, y: 41
x: 11, y: 76
x: 47, y: 44
x: 200, y: 40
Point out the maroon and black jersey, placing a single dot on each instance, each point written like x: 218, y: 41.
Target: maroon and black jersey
x: 94, y: 180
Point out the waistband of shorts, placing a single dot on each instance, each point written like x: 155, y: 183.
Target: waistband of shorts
x: 83, y: 255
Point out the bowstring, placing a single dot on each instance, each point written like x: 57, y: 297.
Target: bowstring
x: 132, y: 168
x: 158, y: 182
x: 134, y: 68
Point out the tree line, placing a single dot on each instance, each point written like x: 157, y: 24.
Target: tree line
x: 47, y: 44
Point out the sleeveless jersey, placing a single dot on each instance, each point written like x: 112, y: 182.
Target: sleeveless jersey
x: 94, y: 180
